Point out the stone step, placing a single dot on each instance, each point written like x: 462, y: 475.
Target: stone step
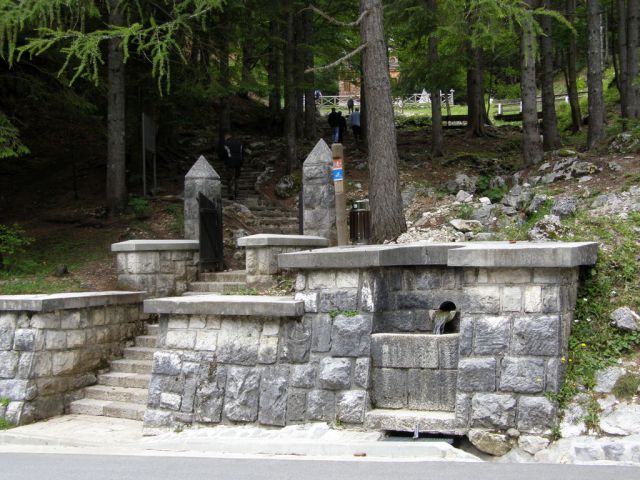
x: 232, y: 276
x: 131, y: 366
x: 148, y: 341
x: 117, y: 394
x: 126, y: 380
x: 139, y: 353
x: 90, y: 406
x: 427, y: 421
x: 216, y: 287
x: 152, y: 328
x: 277, y: 220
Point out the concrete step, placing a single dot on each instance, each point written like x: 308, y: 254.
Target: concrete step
x: 216, y: 287
x: 148, y: 341
x: 408, y: 420
x: 152, y: 328
x: 117, y: 394
x: 126, y: 380
x: 131, y: 366
x: 139, y: 353
x: 90, y: 406
x: 232, y: 276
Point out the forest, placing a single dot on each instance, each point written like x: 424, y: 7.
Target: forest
x: 187, y: 63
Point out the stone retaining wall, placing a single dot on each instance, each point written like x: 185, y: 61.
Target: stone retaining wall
x: 159, y: 267
x: 52, y: 345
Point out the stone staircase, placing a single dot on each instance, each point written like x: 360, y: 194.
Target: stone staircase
x: 122, y: 392
x: 219, y: 282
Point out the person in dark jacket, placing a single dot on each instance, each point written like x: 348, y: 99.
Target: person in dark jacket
x: 232, y: 156
x: 342, y: 126
x: 334, y: 123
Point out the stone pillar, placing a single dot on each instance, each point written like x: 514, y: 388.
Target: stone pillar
x: 318, y: 198
x: 202, y: 178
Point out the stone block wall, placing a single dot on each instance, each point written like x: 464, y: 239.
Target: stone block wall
x: 47, y: 353
x: 267, y: 370
x: 160, y: 267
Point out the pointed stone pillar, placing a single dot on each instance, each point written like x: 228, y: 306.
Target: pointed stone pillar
x: 318, y: 196
x: 202, y: 178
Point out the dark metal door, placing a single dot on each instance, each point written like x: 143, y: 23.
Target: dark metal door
x: 211, y: 246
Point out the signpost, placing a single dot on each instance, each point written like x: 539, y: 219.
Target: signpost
x: 341, y: 200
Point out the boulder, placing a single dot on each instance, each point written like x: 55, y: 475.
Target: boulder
x: 464, y: 197
x: 286, y: 187
x: 549, y: 228
x: 518, y: 197
x: 624, y: 142
x: 607, y: 378
x: 625, y: 319
x: 532, y: 443
x: 564, y: 207
x: 624, y: 419
x: 496, y: 444
x: 538, y: 200
x: 466, y: 225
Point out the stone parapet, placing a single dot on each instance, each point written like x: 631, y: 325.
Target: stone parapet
x: 231, y: 305
x: 159, y: 267
x: 52, y: 345
x: 262, y: 253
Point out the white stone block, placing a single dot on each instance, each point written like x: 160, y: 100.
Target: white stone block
x: 511, y: 299
x: 180, y: 339
x: 533, y: 299
x: 207, y: 340
x: 321, y: 280
x: 347, y: 279
x: 55, y: 340
x: 170, y: 401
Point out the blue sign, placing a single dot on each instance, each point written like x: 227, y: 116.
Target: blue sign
x: 338, y: 174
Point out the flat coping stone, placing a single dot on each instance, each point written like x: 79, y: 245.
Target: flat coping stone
x: 467, y: 254
x: 276, y: 240
x: 361, y: 256
x: 67, y: 301
x: 524, y: 254
x: 154, y: 245
x: 244, y: 305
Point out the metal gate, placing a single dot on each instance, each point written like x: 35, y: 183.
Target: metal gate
x: 211, y: 246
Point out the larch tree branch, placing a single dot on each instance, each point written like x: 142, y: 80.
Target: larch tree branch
x: 335, y: 21
x: 339, y: 61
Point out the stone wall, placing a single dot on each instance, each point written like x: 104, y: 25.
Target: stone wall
x: 52, y: 345
x: 247, y: 369
x: 159, y: 267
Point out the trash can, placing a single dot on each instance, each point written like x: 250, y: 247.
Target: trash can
x: 359, y: 222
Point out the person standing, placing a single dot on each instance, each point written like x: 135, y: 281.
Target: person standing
x: 355, y: 125
x: 342, y: 126
x: 350, y: 104
x: 232, y: 157
x: 334, y: 123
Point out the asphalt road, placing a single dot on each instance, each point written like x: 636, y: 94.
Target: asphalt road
x: 25, y: 466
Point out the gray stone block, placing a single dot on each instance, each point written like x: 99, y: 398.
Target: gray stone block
x: 536, y: 335
x: 536, y: 414
x: 268, y: 350
x: 551, y: 300
x: 238, y: 341
x: 295, y: 343
x: 465, y: 338
x: 556, y: 370
x: 170, y: 401
x: 361, y: 372
x: 448, y: 351
x: 304, y: 376
x: 208, y: 403
x: 484, y: 299
x: 492, y: 410
x: 321, y: 333
x: 351, y: 406
x: 311, y: 300
x: 351, y: 336
x: 522, y: 375
x: 17, y: 390
x: 428, y: 279
x: 296, y: 405
x: 413, y: 300
x: 463, y: 409
x: 491, y: 335
x: 241, y: 394
x: 8, y: 364
x: 389, y: 388
x: 273, y: 395
x: 511, y: 299
x: 477, y: 374
x: 27, y: 340
x: 321, y: 405
x: 166, y: 363
x: 180, y: 339
x: 334, y: 373
x: 431, y: 389
x: 331, y: 300
x: 396, y: 321
x: 396, y: 350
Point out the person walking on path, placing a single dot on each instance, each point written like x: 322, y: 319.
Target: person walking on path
x: 342, y: 126
x: 355, y: 125
x: 232, y: 157
x: 334, y: 123
x: 350, y: 104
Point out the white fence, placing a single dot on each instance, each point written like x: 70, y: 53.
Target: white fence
x: 415, y: 100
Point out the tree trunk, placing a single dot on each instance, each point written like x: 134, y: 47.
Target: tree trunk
x: 363, y: 107
x: 289, y: 89
x: 594, y: 75
x: 633, y: 90
x: 475, y: 93
x: 273, y: 72
x: 436, y: 105
x: 310, y: 131
x: 571, y: 75
x: 550, y: 136
x: 300, y: 60
x: 387, y: 217
x: 116, y: 147
x: 623, y: 66
x: 531, y: 144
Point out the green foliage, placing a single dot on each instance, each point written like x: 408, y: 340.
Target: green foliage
x: 10, y: 144
x: 463, y: 211
x: 242, y: 291
x: 4, y: 402
x: 5, y: 425
x: 176, y: 212
x: 626, y: 387
x: 484, y: 189
x: 13, y: 240
x: 140, y: 207
x: 345, y: 313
